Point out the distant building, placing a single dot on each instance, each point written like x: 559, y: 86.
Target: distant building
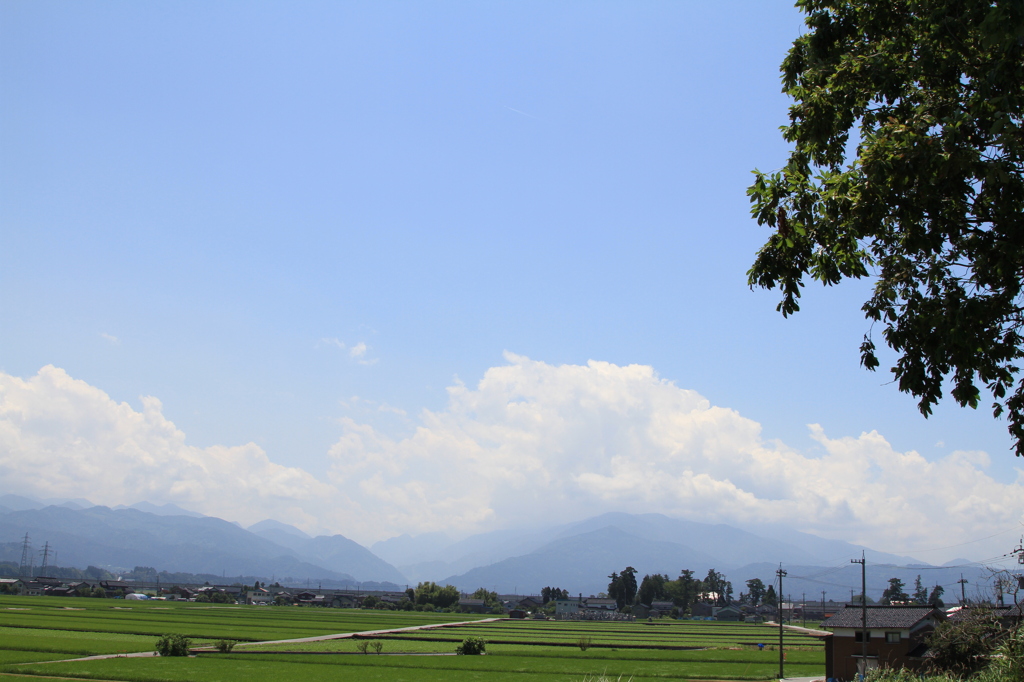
x: 260, y: 596
x: 600, y: 604
x: 470, y: 605
x: 566, y: 607
x: 727, y: 613
x: 661, y: 608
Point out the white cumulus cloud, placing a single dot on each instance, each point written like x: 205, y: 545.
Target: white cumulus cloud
x: 534, y: 442
x: 530, y: 443
x: 61, y: 437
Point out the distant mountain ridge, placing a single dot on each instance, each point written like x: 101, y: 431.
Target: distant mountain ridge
x: 574, y: 556
x: 188, y: 543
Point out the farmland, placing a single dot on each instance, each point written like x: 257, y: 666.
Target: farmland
x: 39, y: 634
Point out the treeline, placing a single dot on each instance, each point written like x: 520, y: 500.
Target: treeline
x: 685, y: 590
x: 139, y: 573
x: 11, y: 569
x: 429, y: 596
x: 148, y: 574
x: 896, y: 594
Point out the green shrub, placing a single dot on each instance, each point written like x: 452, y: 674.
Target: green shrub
x: 173, y: 645
x: 376, y: 646
x: 1008, y: 663
x: 583, y: 643
x: 471, y: 646
x: 225, y: 646
x: 963, y: 647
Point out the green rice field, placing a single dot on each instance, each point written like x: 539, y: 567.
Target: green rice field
x: 39, y: 634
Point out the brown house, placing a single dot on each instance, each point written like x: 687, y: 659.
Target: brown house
x: 895, y: 638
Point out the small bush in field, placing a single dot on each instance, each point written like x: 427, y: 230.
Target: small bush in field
x: 376, y: 646
x: 471, y: 646
x: 583, y: 643
x: 225, y: 646
x: 362, y: 646
x: 173, y: 645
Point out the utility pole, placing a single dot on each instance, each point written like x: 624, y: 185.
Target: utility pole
x: 803, y: 607
x: 782, y: 600
x: 963, y: 595
x: 25, y: 554
x: 863, y: 612
x: 823, y: 604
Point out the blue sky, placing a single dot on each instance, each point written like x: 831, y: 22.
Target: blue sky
x: 292, y: 222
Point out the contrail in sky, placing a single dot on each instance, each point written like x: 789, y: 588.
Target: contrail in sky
x: 523, y: 113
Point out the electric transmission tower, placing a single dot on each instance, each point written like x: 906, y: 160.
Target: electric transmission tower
x: 45, y: 551
x: 26, y: 553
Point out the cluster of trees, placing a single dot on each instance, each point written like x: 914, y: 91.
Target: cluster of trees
x: 896, y: 593
x: 62, y: 572
x: 552, y: 593
x: 759, y: 595
x: 430, y: 593
x: 429, y: 596
x: 622, y: 587
x: 683, y: 591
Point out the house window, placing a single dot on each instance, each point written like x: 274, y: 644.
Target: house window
x: 859, y: 636
x: 892, y: 638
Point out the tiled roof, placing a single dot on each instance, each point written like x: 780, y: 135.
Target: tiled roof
x: 1015, y: 611
x: 881, y: 617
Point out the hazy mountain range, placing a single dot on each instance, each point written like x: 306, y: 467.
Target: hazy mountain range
x: 575, y: 556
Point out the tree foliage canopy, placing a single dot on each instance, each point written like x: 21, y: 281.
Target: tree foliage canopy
x: 440, y: 597
x: 622, y: 588
x: 908, y: 166
x: 895, y: 593
x: 756, y: 591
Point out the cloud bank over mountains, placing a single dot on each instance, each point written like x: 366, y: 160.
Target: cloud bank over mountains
x: 530, y: 443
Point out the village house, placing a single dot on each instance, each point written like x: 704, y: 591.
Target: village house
x: 600, y: 604
x: 260, y: 596
x: 726, y: 613
x: 470, y: 605
x: 345, y: 601
x: 661, y: 609
x: 567, y: 607
x: 530, y: 603
x: 895, y: 639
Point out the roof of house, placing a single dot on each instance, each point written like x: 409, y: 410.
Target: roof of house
x: 896, y: 617
x: 599, y: 600
x: 469, y: 601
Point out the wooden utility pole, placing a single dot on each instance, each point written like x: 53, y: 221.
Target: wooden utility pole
x: 782, y: 600
x: 963, y: 595
x: 863, y: 612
